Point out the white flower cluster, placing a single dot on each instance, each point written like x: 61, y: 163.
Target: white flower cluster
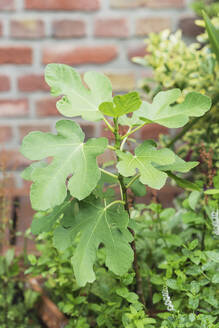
x: 167, y: 300
x: 215, y: 221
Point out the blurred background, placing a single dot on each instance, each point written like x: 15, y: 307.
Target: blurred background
x: 87, y: 34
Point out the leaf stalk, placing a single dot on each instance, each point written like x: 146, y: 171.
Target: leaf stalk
x: 108, y: 125
x: 133, y: 131
x: 114, y: 203
x: 132, y: 181
x: 109, y: 173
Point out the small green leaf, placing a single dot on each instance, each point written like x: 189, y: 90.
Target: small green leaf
x: 156, y: 298
x: 122, y: 291
x: 121, y: 105
x: 70, y: 156
x: 193, y: 244
x: 193, y: 302
x: 213, y: 35
x: 174, y: 240
x: 148, y: 321
x: 213, y: 255
x: 193, y: 199
x: 192, y: 218
x: 32, y: 259
x: 145, y: 155
x: 194, y: 287
x: 212, y: 192
x: 78, y: 100
x: 215, y: 278
x: 172, y: 283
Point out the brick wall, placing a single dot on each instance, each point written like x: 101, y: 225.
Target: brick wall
x: 88, y: 34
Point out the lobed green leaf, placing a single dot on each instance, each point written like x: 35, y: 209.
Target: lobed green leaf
x: 71, y: 156
x: 78, y: 100
x: 164, y: 111
x: 98, y: 224
x: 121, y: 105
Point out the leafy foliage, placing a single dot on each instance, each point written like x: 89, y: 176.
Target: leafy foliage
x: 71, y: 156
x: 211, y: 7
x: 100, y: 232
x: 213, y: 35
x: 16, y: 302
x: 169, y: 252
x: 74, y: 167
x: 98, y: 223
x: 192, y: 68
x: 78, y: 100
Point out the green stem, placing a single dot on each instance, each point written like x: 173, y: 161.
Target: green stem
x: 108, y: 125
x: 133, y: 131
x: 133, y: 180
x: 109, y: 173
x: 139, y: 285
x: 111, y: 147
x: 115, y: 202
x: 123, y: 189
x: 124, y: 140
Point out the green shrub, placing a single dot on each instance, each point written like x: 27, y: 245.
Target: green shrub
x: 16, y: 302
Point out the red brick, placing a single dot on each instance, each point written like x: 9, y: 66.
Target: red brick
x: 68, y: 28
x: 14, y: 159
x: 152, y: 131
x: 122, y: 81
x: 68, y: 54
x: 32, y: 82
x: 89, y: 129
x: 62, y: 4
x: 27, y: 28
x: 108, y: 156
x: 105, y: 132
x: 128, y: 3
x: 13, y: 108
x: 18, y: 55
x: 136, y: 51
x: 188, y: 26
x: 165, y: 195
x: 7, y: 5
x: 111, y: 27
x: 148, y: 25
x: 46, y: 107
x: 25, y: 129
x: 5, y: 133
x: 1, y: 29
x: 159, y: 4
x: 5, y: 83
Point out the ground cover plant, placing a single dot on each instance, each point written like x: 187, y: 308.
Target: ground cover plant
x: 16, y: 301
x: 98, y: 230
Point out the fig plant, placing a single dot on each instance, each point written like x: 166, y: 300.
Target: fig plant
x: 73, y: 195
